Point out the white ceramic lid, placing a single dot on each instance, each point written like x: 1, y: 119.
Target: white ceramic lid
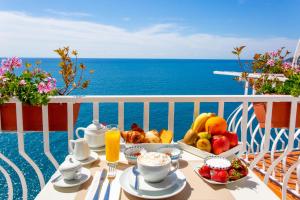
x: 96, y: 126
x: 217, y: 162
x: 70, y: 164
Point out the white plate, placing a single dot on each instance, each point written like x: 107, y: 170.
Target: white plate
x: 177, y: 188
x: 93, y: 157
x: 85, y: 175
x: 167, y: 183
x: 215, y: 182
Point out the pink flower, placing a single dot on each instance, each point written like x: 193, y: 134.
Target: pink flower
x: 287, y: 65
x: 273, y: 53
x: 41, y: 87
x: 47, y: 85
x: 271, y: 62
x: 2, y: 71
x: 16, y: 62
x: 22, y: 82
x: 10, y: 63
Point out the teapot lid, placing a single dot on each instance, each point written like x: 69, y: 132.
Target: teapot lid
x: 95, y: 126
x: 70, y: 164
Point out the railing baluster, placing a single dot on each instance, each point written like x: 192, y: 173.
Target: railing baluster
x: 244, y: 127
x: 20, y: 174
x: 171, y: 117
x: 96, y: 111
x: 287, y: 178
x: 267, y: 135
x: 19, y: 112
x: 46, y: 136
x: 70, y: 123
x: 121, y: 115
x: 196, y: 109
x: 292, y: 127
x: 21, y: 148
x: 146, y: 116
x: 221, y: 108
x: 10, y: 191
x: 246, y: 87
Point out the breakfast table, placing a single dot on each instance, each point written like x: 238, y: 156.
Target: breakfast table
x: 196, y: 189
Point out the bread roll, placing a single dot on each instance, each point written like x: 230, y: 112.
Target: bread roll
x: 152, y: 137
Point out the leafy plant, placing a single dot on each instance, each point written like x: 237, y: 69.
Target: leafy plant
x: 34, y: 86
x: 271, y: 67
x: 69, y: 71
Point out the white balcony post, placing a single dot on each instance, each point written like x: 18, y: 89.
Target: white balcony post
x: 221, y: 109
x: 70, y: 123
x: 146, y: 116
x: 46, y: 136
x: 244, y: 127
x: 171, y: 114
x: 121, y: 115
x: 292, y: 127
x: 266, y: 141
x: 96, y: 111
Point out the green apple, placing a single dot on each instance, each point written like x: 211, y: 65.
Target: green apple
x: 204, y: 135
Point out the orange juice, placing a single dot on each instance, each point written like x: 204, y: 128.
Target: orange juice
x: 112, y: 145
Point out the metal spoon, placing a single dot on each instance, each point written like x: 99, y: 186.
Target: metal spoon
x: 136, y: 173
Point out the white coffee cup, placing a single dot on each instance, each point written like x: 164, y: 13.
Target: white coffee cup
x: 155, y: 166
x: 80, y: 149
x: 70, y: 169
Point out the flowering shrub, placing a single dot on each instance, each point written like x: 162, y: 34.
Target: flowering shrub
x: 34, y: 86
x: 26, y: 86
x: 271, y: 66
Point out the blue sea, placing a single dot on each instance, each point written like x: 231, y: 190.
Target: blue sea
x: 123, y: 77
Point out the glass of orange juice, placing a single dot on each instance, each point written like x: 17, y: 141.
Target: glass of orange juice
x: 112, y: 144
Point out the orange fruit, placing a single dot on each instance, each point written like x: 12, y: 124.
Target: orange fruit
x: 216, y: 125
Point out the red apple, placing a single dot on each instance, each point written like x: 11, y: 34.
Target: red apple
x: 225, y: 133
x: 220, y: 144
x: 233, y: 139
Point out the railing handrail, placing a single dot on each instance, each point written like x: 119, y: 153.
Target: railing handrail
x: 167, y: 98
x: 280, y: 77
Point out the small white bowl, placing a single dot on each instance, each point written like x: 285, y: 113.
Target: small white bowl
x: 217, y: 162
x: 131, y: 154
x: 173, y: 152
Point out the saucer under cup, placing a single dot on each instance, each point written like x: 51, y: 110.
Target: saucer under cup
x: 167, y: 183
x: 179, y: 185
x: 84, y: 176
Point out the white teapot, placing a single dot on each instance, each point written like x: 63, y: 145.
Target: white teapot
x: 94, y: 134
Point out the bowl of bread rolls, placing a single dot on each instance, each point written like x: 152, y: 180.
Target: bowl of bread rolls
x: 137, y: 135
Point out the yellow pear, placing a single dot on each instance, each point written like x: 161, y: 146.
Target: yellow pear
x: 204, y: 145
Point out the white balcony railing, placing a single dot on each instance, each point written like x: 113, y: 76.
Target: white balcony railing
x: 257, y: 142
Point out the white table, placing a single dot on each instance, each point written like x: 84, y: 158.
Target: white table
x: 245, y: 191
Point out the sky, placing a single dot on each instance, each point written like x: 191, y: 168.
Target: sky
x: 147, y: 28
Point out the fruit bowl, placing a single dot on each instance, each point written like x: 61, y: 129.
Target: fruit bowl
x: 221, y: 171
x: 215, y: 182
x: 204, y: 154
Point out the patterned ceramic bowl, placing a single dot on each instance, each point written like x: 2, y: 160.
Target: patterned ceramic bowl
x: 217, y: 162
x: 173, y: 152
x: 131, y: 154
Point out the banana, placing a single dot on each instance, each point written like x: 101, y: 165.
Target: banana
x: 199, y: 123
